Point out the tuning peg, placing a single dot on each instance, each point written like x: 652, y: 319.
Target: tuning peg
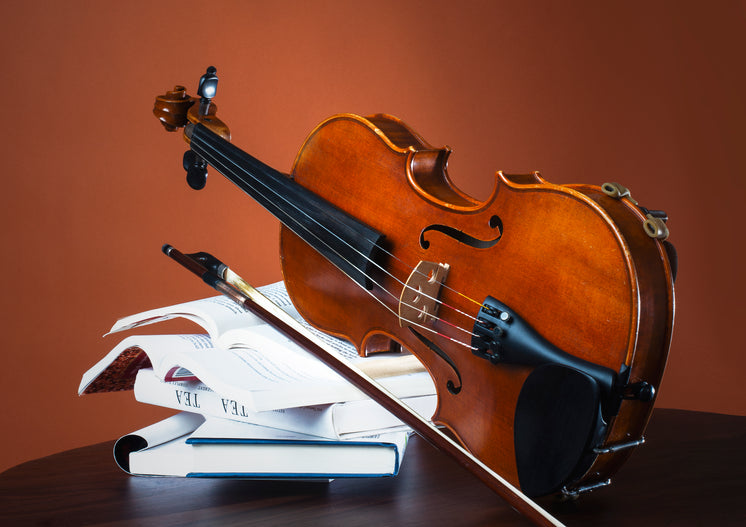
x: 196, y: 169
x: 641, y: 391
x: 189, y: 159
x: 208, y: 86
x: 197, y: 177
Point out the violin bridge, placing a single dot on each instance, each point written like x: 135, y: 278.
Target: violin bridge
x: 418, y: 303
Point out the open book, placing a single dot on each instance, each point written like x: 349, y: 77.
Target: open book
x: 244, y: 359
x: 187, y: 445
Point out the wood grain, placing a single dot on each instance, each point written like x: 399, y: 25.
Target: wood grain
x: 690, y: 473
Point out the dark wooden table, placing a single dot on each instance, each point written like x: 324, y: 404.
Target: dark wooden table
x: 691, y: 472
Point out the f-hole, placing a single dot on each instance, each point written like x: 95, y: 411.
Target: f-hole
x: 452, y: 387
x: 460, y: 236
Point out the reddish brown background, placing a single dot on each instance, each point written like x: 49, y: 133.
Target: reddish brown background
x: 650, y: 94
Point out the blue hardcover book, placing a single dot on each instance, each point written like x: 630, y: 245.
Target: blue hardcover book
x: 220, y: 448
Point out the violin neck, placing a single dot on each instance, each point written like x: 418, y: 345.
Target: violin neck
x: 346, y: 242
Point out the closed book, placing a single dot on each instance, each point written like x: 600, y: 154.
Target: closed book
x: 333, y: 421
x: 228, y: 449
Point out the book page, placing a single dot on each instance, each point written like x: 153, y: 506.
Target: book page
x: 217, y: 315
x: 117, y: 370
x: 224, y: 430
x: 241, y: 368
x: 228, y: 323
x: 250, y: 361
x: 273, y: 375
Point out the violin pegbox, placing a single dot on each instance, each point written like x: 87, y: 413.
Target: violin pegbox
x: 176, y: 109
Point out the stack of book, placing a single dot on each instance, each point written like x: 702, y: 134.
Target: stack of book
x: 252, y: 403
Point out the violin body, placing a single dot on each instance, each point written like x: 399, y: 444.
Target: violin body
x: 573, y: 262
x: 543, y: 314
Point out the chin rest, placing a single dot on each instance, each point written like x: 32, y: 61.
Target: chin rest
x: 556, y: 422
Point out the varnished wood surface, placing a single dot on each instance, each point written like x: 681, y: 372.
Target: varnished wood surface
x: 692, y: 472
x: 605, y: 286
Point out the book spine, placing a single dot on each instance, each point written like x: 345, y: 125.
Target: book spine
x: 198, y: 398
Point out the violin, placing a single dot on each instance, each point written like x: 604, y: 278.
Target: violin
x: 543, y: 314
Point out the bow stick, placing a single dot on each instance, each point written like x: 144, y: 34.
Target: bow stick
x: 220, y: 277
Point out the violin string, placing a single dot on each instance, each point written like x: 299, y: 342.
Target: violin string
x: 380, y: 286
x: 391, y: 255
x: 415, y: 270
x: 299, y: 224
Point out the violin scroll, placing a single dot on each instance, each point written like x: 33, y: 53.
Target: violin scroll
x: 171, y: 108
x: 176, y: 109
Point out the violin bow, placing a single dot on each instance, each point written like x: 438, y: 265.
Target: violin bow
x: 221, y: 278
